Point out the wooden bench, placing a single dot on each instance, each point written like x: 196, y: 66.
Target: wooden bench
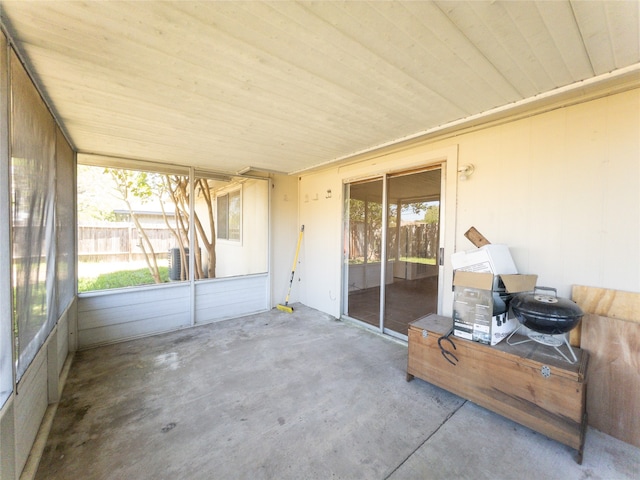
x: 529, y: 383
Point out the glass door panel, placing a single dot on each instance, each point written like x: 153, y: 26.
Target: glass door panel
x: 413, y: 231
x: 364, y: 251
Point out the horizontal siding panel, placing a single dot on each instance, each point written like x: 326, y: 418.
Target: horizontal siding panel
x: 117, y: 316
x: 126, y: 331
x: 230, y: 298
x: 226, y: 301
x: 217, y: 315
x: 124, y: 315
x: 107, y: 299
x: 224, y: 294
x: 30, y: 405
x: 229, y: 292
x: 63, y: 341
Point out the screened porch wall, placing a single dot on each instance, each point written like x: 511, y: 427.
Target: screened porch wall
x: 32, y: 146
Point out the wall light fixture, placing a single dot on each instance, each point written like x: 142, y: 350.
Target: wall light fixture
x: 465, y: 171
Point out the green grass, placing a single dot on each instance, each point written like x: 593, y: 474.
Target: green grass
x: 121, y: 279
x: 426, y: 261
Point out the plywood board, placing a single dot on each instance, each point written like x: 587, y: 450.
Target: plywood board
x: 613, y: 394
x: 606, y: 303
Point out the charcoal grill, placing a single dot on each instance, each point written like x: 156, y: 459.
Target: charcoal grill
x: 548, y: 317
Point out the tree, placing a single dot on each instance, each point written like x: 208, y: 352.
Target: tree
x: 365, y: 220
x: 92, y: 205
x: 138, y: 184
x: 432, y: 215
x: 147, y: 186
x: 177, y: 187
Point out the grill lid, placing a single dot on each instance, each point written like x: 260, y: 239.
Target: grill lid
x: 546, y: 306
x: 546, y: 313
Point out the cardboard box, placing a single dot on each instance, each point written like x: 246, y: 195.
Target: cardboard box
x: 492, y: 258
x: 475, y: 298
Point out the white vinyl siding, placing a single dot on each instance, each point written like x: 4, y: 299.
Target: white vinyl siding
x: 230, y: 297
x: 30, y: 406
x: 122, y: 315
x: 125, y: 314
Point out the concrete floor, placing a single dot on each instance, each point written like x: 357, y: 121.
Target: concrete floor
x: 290, y: 396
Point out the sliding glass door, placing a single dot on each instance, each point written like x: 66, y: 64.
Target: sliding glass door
x: 392, y: 235
x: 413, y: 236
x: 364, y: 250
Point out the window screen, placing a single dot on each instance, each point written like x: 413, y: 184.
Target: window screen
x: 6, y: 335
x: 33, y: 255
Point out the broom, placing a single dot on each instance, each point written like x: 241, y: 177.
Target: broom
x: 285, y: 307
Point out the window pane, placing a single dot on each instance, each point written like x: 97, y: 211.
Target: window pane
x: 363, y: 234
x: 241, y: 225
x: 235, y: 214
x: 133, y: 228
x: 223, y: 216
x: 65, y: 218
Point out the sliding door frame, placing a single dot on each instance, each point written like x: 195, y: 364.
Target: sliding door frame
x: 446, y: 160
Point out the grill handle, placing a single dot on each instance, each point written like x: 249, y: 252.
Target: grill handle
x: 551, y: 289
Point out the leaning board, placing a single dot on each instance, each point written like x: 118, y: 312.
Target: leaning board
x: 611, y: 335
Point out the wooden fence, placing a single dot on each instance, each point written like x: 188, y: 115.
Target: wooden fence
x: 121, y: 243
x: 419, y: 240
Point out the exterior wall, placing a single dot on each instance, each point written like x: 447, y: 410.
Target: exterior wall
x: 283, y: 236
x: 321, y: 264
x: 561, y: 189
x: 321, y: 252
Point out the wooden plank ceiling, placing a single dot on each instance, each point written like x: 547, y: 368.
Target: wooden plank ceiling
x: 287, y: 85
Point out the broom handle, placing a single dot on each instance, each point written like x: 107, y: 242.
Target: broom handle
x: 295, y: 259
